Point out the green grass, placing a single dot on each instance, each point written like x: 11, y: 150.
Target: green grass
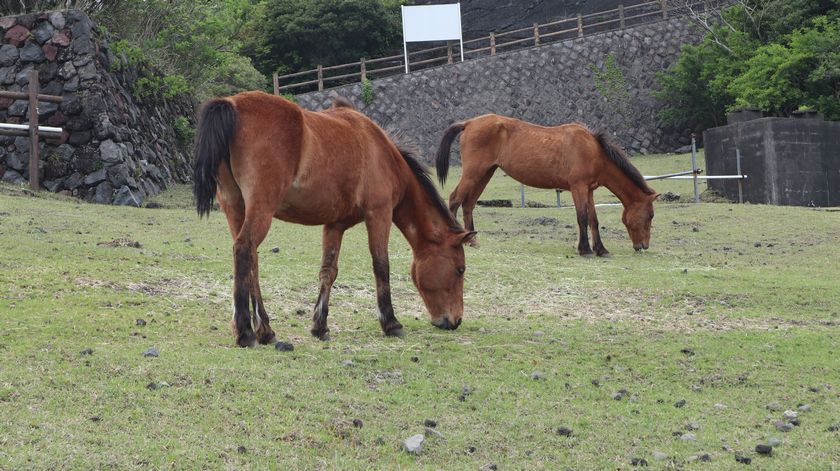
x: 750, y: 291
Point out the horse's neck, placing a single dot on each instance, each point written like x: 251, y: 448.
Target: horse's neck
x: 621, y: 185
x: 418, y: 219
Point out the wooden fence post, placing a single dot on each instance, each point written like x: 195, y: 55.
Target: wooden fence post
x: 448, y: 52
x: 320, y: 78
x: 664, y: 5
x: 536, y: 34
x: 621, y: 14
x: 492, y: 44
x: 580, y: 25
x: 276, y: 80
x: 33, y: 130
x: 363, y: 69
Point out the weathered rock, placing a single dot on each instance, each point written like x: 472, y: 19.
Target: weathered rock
x: 125, y: 197
x: 57, y: 19
x: 96, y: 177
x: 13, y: 177
x: 73, y: 181
x: 414, y: 444
x: 32, y: 52
x: 43, y: 32
x: 8, y: 55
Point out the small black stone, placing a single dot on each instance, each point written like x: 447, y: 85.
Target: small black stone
x: 95, y: 418
x: 704, y: 457
x: 415, y: 359
x: 87, y: 351
x: 687, y: 351
x: 796, y: 422
x: 140, y: 322
x: 680, y: 404
x: 596, y: 383
x: 152, y: 386
x: 275, y: 250
x: 492, y: 467
x: 764, y: 449
x: 241, y: 450
x: 638, y: 462
x: 694, y: 229
x: 358, y: 423
x: 564, y: 431
x: 284, y: 347
x: 429, y: 423
x: 471, y: 449
x: 743, y: 459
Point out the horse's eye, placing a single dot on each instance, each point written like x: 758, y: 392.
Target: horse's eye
x: 461, y: 270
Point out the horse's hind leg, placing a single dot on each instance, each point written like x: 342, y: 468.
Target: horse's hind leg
x: 582, y: 199
x: 469, y: 189
x: 329, y: 270
x: 597, y: 245
x: 379, y: 226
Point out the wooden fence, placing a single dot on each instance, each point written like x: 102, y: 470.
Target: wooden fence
x: 570, y: 28
x: 32, y: 129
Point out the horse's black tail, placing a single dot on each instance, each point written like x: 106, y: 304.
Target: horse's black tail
x: 216, y: 126
x: 442, y: 159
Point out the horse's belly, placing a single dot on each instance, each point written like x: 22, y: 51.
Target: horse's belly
x: 315, y: 208
x: 538, y: 177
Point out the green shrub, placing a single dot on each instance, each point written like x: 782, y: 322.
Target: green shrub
x: 183, y: 129
x: 367, y: 92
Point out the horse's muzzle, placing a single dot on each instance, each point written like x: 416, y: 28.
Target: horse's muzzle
x: 446, y: 325
x: 640, y: 247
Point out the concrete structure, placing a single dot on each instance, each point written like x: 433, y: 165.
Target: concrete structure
x: 788, y: 161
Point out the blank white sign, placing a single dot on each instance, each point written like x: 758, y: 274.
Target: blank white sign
x: 432, y: 22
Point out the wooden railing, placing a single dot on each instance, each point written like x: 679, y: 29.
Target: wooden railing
x: 538, y: 34
x: 32, y: 130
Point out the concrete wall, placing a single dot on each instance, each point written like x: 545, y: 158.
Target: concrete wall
x: 547, y: 85
x: 788, y: 161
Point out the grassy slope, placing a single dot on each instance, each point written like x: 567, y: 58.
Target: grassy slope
x: 761, y: 322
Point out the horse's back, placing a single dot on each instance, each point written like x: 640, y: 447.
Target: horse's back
x: 538, y: 156
x: 312, y: 167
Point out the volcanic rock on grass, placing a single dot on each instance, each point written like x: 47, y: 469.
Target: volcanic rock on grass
x: 151, y: 352
x: 638, y: 462
x: 743, y: 459
x: 762, y: 449
x: 284, y: 347
x: 414, y: 444
x: 564, y: 431
x: 429, y: 423
x: 659, y: 456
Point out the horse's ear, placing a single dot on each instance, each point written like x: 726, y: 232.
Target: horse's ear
x: 655, y: 196
x: 468, y: 237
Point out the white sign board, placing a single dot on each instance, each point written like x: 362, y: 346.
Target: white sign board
x: 431, y: 23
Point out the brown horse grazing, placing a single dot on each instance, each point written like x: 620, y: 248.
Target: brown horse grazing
x: 568, y: 157
x: 264, y: 157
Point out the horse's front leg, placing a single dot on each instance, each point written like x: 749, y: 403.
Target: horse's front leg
x: 379, y: 228
x: 597, y: 245
x: 331, y: 247
x: 579, y: 195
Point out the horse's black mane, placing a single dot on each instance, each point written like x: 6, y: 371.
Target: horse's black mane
x: 620, y: 158
x: 422, y: 175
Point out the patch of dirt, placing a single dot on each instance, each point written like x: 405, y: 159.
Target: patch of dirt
x: 381, y: 378
x: 121, y: 242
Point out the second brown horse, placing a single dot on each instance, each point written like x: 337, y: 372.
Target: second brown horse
x: 568, y: 157
x: 263, y: 157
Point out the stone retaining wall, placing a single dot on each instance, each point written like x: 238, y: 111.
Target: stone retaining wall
x: 547, y: 85
x: 114, y: 148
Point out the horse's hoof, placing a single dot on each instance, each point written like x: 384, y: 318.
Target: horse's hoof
x: 268, y: 339
x: 395, y: 332
x: 587, y: 254
x: 248, y: 340
x: 323, y: 335
x: 605, y: 254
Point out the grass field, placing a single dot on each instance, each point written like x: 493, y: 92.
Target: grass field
x: 694, y: 348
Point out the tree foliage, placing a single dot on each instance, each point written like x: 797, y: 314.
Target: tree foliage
x: 778, y: 55
x: 301, y: 34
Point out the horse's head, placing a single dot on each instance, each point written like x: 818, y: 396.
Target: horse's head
x: 637, y: 217
x: 438, y: 273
